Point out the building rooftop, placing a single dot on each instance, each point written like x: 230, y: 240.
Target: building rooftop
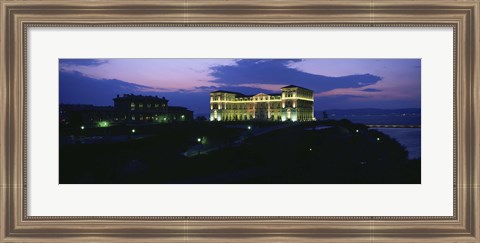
x: 270, y: 94
x: 139, y: 97
x: 244, y: 95
x: 291, y: 86
x: 230, y: 92
x: 294, y: 86
x: 171, y: 108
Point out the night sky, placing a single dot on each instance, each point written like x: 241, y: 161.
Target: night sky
x: 337, y: 83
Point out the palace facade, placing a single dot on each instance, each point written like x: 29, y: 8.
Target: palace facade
x: 294, y: 103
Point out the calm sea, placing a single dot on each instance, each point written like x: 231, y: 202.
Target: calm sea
x: 387, y: 119
x: 408, y: 137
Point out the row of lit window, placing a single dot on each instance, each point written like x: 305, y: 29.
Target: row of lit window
x: 304, y: 115
x: 140, y: 105
x: 266, y: 98
x: 219, y: 98
x: 305, y: 93
x: 289, y: 94
x: 304, y: 103
x: 248, y: 117
x: 244, y: 106
x: 156, y: 118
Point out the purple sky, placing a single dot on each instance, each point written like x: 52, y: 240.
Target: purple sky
x: 337, y: 83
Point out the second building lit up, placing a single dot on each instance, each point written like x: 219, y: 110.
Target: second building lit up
x: 294, y: 103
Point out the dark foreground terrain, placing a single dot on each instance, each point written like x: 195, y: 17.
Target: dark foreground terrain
x: 326, y: 152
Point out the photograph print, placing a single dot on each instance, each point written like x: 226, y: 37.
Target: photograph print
x: 239, y: 121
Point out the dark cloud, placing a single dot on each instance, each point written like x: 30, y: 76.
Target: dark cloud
x: 76, y: 88
x: 371, y: 90
x: 82, y: 62
x: 345, y: 96
x: 276, y: 71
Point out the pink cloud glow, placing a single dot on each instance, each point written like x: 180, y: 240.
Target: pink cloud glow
x: 164, y: 74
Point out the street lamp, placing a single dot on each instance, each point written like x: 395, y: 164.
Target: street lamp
x: 82, y: 127
x: 103, y: 124
x: 249, y: 128
x: 133, y: 130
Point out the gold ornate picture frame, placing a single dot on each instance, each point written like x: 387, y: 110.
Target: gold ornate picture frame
x: 17, y: 16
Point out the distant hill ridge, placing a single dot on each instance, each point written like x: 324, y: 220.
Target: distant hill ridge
x: 369, y: 111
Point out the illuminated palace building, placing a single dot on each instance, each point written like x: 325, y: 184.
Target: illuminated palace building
x: 292, y: 104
